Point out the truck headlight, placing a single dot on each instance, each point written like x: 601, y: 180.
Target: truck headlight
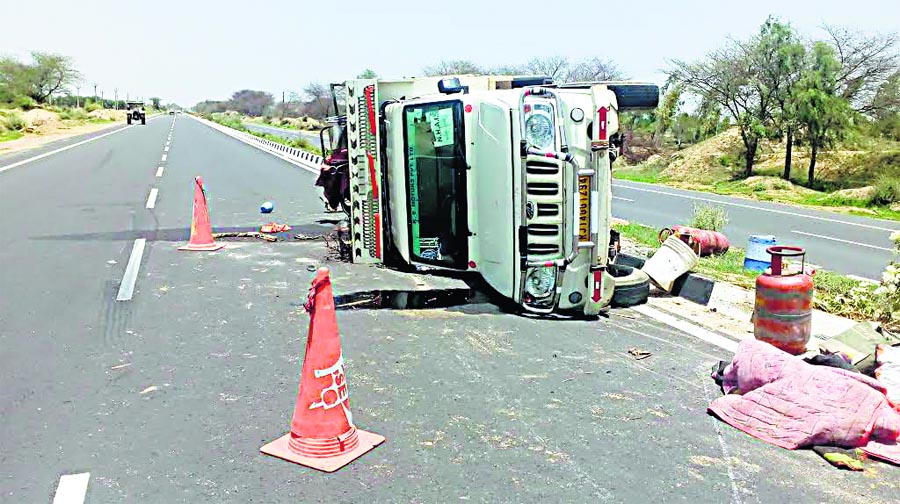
x: 539, y: 130
x: 540, y: 282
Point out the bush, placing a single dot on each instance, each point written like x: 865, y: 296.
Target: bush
x: 24, y: 102
x: 92, y: 106
x: 887, y: 190
x: 710, y: 217
x: 14, y: 122
x: 77, y: 114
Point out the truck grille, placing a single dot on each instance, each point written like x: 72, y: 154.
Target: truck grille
x: 543, y: 179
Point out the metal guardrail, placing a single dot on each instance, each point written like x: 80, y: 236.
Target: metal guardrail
x: 299, y: 157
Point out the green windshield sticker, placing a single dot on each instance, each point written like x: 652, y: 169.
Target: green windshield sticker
x: 411, y: 117
x: 441, y: 122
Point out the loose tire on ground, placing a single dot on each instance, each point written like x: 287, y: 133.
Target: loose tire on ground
x: 632, y: 286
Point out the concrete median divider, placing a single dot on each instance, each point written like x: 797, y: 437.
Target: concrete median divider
x: 301, y: 158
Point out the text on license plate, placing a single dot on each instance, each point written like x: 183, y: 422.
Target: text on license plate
x: 584, y: 208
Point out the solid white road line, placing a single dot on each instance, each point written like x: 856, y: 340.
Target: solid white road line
x: 71, y: 488
x: 159, y: 171
x: 842, y: 241
x: 687, y: 327
x: 126, y: 288
x: 739, y: 205
x: 151, y: 199
x: 623, y: 199
x: 163, y: 159
x: 61, y: 149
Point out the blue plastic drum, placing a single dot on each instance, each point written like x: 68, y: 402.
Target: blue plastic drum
x: 757, y: 258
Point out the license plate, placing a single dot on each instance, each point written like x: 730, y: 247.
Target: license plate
x: 584, y: 208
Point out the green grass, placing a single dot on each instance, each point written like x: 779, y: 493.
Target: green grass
x: 642, y: 235
x: 235, y: 123
x: 8, y: 135
x: 831, y: 288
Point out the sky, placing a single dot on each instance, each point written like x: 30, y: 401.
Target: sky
x: 190, y: 50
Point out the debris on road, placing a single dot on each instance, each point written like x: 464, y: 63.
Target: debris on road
x: 267, y: 207
x: 246, y: 234
x: 274, y: 227
x: 151, y: 388
x: 672, y: 260
x: 639, y: 354
x: 120, y: 366
x: 703, y: 242
x: 841, y: 458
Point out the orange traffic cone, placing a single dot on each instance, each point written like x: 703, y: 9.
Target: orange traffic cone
x: 322, y: 433
x: 201, y: 230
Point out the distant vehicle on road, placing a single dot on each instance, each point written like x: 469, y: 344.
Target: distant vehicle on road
x: 172, y: 111
x: 135, y: 112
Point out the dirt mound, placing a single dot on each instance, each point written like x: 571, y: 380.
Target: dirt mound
x: 865, y: 193
x: 108, y: 114
x: 707, y: 160
x: 41, y: 121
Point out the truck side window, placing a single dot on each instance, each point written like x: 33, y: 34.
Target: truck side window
x: 436, y: 177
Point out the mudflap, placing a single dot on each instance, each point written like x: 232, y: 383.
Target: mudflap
x: 595, y: 303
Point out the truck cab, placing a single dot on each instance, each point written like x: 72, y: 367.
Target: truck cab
x: 508, y: 177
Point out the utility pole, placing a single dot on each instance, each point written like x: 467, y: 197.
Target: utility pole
x: 102, y: 105
x: 116, y: 94
x: 282, y: 104
x: 77, y: 95
x: 95, y: 91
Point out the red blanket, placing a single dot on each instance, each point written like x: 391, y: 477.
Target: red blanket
x: 778, y: 398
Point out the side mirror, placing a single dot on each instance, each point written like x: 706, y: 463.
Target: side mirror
x: 452, y: 85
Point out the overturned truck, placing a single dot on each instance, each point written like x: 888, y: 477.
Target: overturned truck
x: 508, y: 177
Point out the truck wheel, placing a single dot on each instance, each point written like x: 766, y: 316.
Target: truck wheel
x: 129, y: 119
x: 143, y: 119
x: 632, y: 286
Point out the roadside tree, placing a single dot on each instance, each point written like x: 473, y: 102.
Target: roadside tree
x: 822, y: 114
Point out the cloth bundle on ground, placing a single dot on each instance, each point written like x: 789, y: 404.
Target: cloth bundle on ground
x: 778, y: 398
x: 888, y: 371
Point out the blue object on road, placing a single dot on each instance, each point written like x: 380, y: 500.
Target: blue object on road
x: 757, y: 258
x: 267, y: 207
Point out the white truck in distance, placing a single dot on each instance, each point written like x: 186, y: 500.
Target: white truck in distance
x: 505, y: 176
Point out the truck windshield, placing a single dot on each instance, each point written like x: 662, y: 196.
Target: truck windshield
x: 436, y: 174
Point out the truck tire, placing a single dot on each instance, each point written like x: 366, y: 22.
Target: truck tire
x: 129, y: 118
x: 632, y: 286
x: 636, y: 96
x: 143, y: 119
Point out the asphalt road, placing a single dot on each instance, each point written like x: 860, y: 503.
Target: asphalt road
x: 839, y: 242
x: 168, y: 396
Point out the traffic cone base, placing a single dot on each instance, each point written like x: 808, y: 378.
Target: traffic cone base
x: 281, y: 448
x: 202, y: 248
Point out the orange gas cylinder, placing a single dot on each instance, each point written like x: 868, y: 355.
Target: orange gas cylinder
x: 783, y: 312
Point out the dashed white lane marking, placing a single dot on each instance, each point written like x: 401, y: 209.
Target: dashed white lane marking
x: 840, y: 240
x: 689, y: 328
x: 126, y: 288
x: 159, y: 171
x: 151, y: 198
x: 739, y: 205
x: 623, y: 199
x: 163, y: 159
x: 71, y: 488
x: 61, y: 149
x: 166, y: 149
